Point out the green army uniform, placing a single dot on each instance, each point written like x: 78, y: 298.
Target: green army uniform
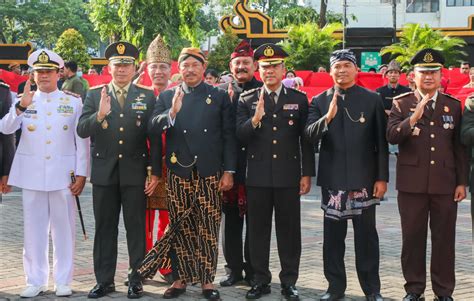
x: 74, y: 85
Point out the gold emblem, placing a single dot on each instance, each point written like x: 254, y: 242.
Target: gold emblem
x: 31, y: 127
x: 362, y: 119
x: 446, y: 109
x: 269, y: 52
x: 173, y: 158
x: 208, y: 101
x: 105, y: 124
x: 428, y: 58
x: 121, y: 48
x: 65, y: 127
x: 43, y: 57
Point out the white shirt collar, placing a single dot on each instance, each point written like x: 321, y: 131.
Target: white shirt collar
x: 435, y: 96
x: 277, y: 91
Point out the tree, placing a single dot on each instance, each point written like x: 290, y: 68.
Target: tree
x: 416, y: 37
x: 219, y: 57
x: 309, y: 46
x: 139, y: 21
x: 43, y: 23
x: 71, y: 46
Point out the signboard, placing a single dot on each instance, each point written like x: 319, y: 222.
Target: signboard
x: 370, y: 60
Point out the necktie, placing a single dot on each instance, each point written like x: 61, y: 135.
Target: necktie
x: 273, y: 97
x: 121, y: 97
x: 430, y: 107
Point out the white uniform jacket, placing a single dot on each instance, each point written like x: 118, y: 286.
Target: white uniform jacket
x: 49, y: 147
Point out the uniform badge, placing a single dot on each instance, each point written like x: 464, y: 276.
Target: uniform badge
x: 65, y: 127
x: 31, y: 127
x: 173, y: 158
x: 139, y: 121
x: 291, y: 122
x: 65, y: 110
x: 139, y: 106
x: 291, y: 106
x: 446, y: 109
x: 209, y: 100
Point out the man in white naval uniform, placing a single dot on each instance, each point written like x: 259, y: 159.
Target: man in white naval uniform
x: 48, y: 151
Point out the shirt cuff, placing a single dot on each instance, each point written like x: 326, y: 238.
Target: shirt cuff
x: 170, y: 120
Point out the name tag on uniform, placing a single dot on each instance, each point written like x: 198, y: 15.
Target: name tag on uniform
x: 65, y: 109
x: 139, y: 106
x: 291, y: 106
x: 31, y: 112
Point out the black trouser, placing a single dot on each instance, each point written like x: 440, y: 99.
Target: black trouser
x: 108, y: 200
x: 260, y: 203
x: 366, y: 243
x: 232, y: 244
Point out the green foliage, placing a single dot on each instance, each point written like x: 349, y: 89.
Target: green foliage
x: 309, y: 46
x: 139, y: 21
x: 208, y: 24
x: 299, y: 15
x: 104, y: 15
x: 416, y: 37
x: 42, y: 23
x: 71, y: 46
x: 219, y: 57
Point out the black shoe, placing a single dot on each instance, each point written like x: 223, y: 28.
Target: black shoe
x: 231, y: 279
x: 173, y: 292
x: 211, y: 294
x: 332, y: 296
x: 440, y: 298
x: 100, y: 290
x: 135, y: 291
x: 414, y: 297
x: 290, y: 292
x: 257, y: 291
x: 168, y: 278
x: 374, y: 297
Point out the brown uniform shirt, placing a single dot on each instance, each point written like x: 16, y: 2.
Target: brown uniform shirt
x: 431, y: 158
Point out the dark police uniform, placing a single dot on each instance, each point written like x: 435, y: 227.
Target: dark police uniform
x: 431, y: 164
x: 119, y: 161
x: 277, y: 158
x: 7, y: 145
x: 234, y: 222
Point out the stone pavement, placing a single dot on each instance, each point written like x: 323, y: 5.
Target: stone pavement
x: 311, y: 283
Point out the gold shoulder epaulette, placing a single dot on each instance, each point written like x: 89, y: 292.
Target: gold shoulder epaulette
x: 403, y: 95
x: 72, y: 94
x: 450, y: 96
x: 144, y: 87
x: 248, y: 92
x: 98, y: 86
x: 299, y: 91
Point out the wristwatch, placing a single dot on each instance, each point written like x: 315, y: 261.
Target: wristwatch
x: 20, y: 107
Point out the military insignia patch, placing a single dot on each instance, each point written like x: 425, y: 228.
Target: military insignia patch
x: 120, y: 48
x: 291, y: 106
x: 65, y: 110
x: 428, y: 58
x: 140, y: 106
